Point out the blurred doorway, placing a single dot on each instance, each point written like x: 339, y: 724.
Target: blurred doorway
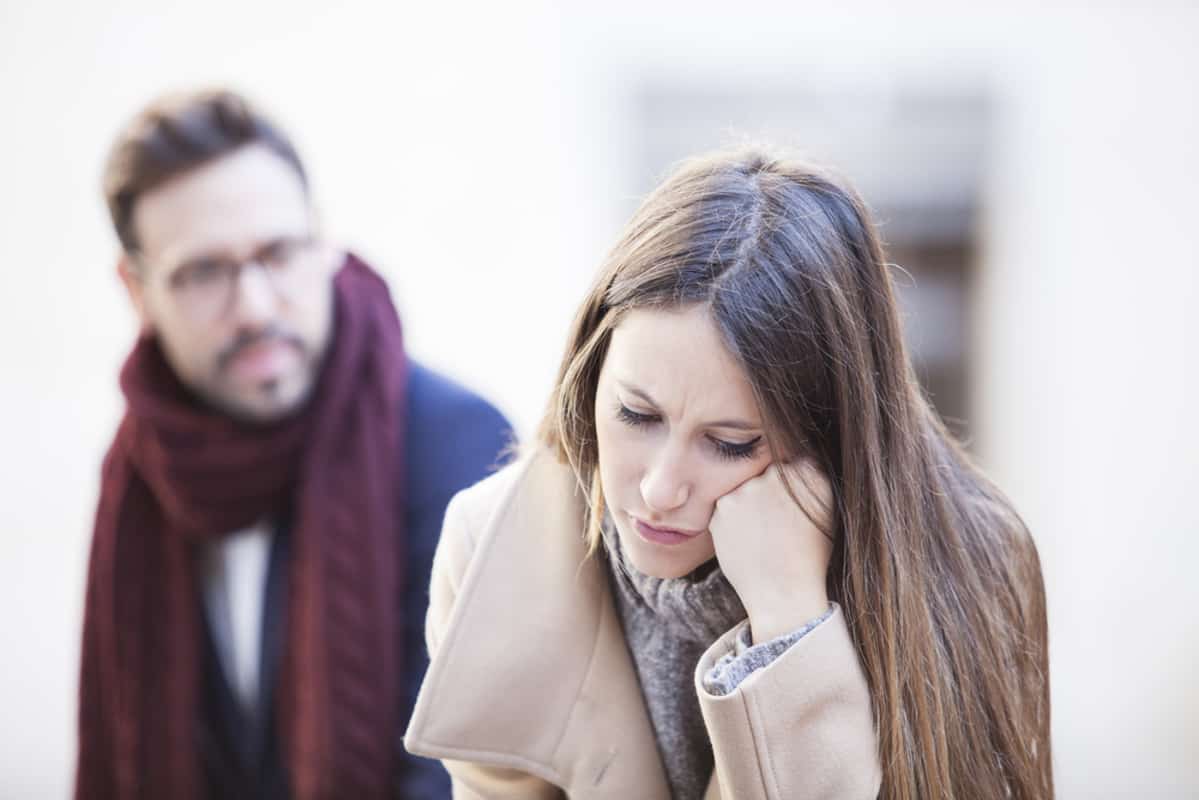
x: 917, y: 158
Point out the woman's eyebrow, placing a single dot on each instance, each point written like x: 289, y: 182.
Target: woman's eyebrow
x: 732, y: 424
x: 631, y: 389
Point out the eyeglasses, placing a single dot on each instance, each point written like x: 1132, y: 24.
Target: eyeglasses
x: 204, y: 287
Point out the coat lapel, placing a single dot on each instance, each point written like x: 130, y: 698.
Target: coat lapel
x: 533, y: 672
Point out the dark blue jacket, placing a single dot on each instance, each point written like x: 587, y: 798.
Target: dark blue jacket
x: 453, y: 438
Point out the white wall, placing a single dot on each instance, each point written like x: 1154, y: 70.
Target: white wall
x: 1089, y: 392
x: 482, y: 158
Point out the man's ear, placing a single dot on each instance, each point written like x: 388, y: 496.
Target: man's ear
x: 329, y: 255
x: 332, y: 258
x: 135, y: 288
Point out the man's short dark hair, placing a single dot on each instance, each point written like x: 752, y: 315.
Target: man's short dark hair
x: 178, y: 133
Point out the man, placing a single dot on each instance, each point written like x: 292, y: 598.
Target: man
x: 271, y: 502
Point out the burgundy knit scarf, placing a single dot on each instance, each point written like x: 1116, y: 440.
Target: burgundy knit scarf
x: 178, y: 475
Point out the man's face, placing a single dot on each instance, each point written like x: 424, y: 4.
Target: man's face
x: 248, y: 341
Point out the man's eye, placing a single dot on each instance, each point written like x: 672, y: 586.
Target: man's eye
x: 201, y: 272
x: 278, y: 254
x: 636, y: 420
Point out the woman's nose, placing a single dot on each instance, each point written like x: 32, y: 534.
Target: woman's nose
x: 665, y: 486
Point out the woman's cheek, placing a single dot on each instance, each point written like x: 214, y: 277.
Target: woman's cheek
x: 730, y: 477
x: 618, y: 448
x: 632, y: 450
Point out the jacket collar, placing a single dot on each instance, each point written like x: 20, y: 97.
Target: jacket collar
x: 533, y: 672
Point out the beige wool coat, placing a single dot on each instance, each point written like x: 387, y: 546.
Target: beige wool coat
x: 532, y: 693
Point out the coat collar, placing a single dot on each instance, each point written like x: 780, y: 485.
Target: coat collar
x: 533, y: 672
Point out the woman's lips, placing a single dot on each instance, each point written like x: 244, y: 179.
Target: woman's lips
x: 652, y: 533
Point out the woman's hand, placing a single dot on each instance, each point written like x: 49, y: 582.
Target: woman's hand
x: 773, y: 554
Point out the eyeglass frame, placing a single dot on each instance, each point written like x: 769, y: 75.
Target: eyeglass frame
x: 297, y: 248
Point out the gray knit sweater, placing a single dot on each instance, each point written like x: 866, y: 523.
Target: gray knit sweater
x: 668, y: 624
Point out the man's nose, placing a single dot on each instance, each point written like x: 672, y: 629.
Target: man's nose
x: 254, y: 298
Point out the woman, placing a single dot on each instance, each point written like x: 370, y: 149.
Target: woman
x: 746, y: 559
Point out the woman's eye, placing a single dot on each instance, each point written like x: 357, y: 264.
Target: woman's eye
x: 733, y: 451
x: 636, y: 420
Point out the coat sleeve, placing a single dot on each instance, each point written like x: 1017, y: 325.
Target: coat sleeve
x: 799, y: 728
x: 470, y: 781
x: 453, y: 438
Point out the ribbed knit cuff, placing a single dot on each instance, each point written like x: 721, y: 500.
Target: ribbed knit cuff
x: 733, y: 668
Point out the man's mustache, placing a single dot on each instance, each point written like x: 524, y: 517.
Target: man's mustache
x: 249, y: 338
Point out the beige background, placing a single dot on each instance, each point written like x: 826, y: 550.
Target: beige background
x: 485, y: 158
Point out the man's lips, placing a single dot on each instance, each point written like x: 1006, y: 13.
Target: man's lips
x: 263, y: 359
x: 255, y: 340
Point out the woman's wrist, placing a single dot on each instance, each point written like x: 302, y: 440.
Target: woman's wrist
x: 783, y: 617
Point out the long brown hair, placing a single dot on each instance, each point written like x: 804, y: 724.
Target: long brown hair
x: 938, y: 576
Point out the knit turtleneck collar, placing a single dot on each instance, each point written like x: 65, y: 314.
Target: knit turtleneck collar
x: 698, y: 607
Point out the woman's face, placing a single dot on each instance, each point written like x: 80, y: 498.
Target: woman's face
x: 677, y: 428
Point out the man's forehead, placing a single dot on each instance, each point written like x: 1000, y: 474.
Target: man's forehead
x: 228, y: 206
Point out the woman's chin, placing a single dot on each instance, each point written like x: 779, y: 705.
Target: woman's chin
x: 667, y: 561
